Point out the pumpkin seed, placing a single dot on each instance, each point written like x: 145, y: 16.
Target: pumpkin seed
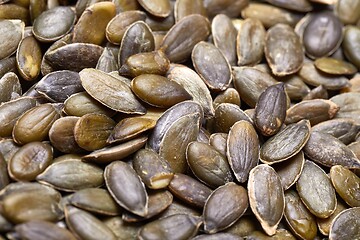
x: 184, y: 8
x: 28, y: 58
x: 300, y: 6
x: 348, y: 104
x: 11, y: 35
x: 226, y: 115
x: 10, y: 87
x: 350, y: 44
x: 345, y: 225
x: 158, y: 8
x: 317, y: 93
x: 324, y: 224
x: 334, y: 66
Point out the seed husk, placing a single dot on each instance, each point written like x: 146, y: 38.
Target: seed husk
x: 319, y: 92
x: 183, y: 36
x: 158, y: 8
x: 218, y: 141
x: 316, y: 191
x: 74, y: 56
x: 335, y: 66
x: 226, y: 115
x: 346, y: 184
x: 224, y: 35
x: 110, y: 91
x: 265, y: 191
x: 295, y: 87
x: 7, y: 65
x: 346, y: 225
x: 189, y: 190
x: 154, y: 171
x: 348, y: 104
x: 10, y: 87
x: 224, y: 207
x: 122, y: 229
x: 44, y: 28
x: 230, y: 8
x: 158, y: 91
x: 107, y: 61
x: 178, y: 136
x: 218, y: 236
x: 212, y: 66
x: 300, y: 6
x: 316, y: 111
x: 42, y: 230
x: 286, y: 144
x: 299, y: 218
x: 4, y: 176
x: 117, y: 26
x: 270, y: 110
x: 27, y: 128
x: 242, y: 149
x: 328, y: 151
x: 282, y: 40
x: 96, y: 200
x: 86, y: 226
x: 72, y: 175
x: 208, y: 165
x: 324, y: 224
x: 230, y: 95
x: 29, y: 161
x: 184, y: 8
x: 178, y: 226
x: 8, y: 148
x: 11, y: 35
x: 351, y: 37
x: 28, y: 58
x: 126, y: 188
x: 137, y: 38
x: 59, y: 85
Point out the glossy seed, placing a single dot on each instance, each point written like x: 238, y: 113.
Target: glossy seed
x: 285, y: 144
x: 11, y: 35
x: 28, y: 58
x: 319, y: 92
x: 334, y: 66
x: 126, y: 188
x: 265, y: 191
x: 346, y: 225
x: 316, y: 191
x: 350, y: 43
x: 242, y: 149
x: 10, y: 87
x: 226, y: 115
x: 348, y: 104
x: 158, y: 8
x: 184, y: 8
x: 324, y: 224
x: 224, y: 207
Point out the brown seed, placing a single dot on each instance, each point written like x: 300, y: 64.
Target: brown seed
x: 4, y: 175
x: 28, y: 58
x: 224, y: 207
x: 231, y: 8
x: 184, y: 8
x: 107, y: 61
x: 349, y: 105
x: 335, y: 66
x: 230, y: 95
x: 285, y: 144
x: 242, y: 149
x: 316, y: 191
x: 296, y: 5
x: 350, y: 43
x: 324, y: 224
x: 126, y: 188
x: 295, y: 87
x: 218, y: 141
x: 319, y: 92
x: 11, y: 35
x: 265, y: 191
x: 10, y: 87
x: 189, y: 190
x: 346, y: 225
x: 226, y: 115
x: 158, y: 8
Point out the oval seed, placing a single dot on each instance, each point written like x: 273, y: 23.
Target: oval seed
x: 28, y: 58
x: 10, y: 37
x: 335, y: 66
x: 9, y: 87
x: 346, y: 225
x: 158, y: 8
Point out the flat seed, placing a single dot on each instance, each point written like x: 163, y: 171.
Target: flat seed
x: 250, y: 83
x: 208, y: 165
x: 242, y: 149
x: 351, y: 44
x: 145, y: 63
x: 289, y: 171
x: 34, y: 125
x: 184, y: 35
x: 270, y: 110
x: 107, y: 61
x: 346, y: 184
x: 189, y: 190
x: 347, y: 11
x: 137, y: 38
x: 212, y: 66
x: 324, y: 224
x: 129, y: 128
x: 160, y: 24
x: 58, y: 86
x: 334, y: 66
x: 316, y: 191
x: 286, y: 143
x: 314, y: 77
x: 117, y: 26
x: 265, y: 192
x: 300, y: 6
x: 349, y: 105
x: 126, y: 188
x: 317, y: 93
x: 178, y: 136
x: 74, y: 56
x: 153, y: 170
x: 250, y: 42
x: 42, y: 230
x: 8, y: 148
x: 110, y: 91
x: 72, y: 175
x: 4, y: 175
x: 117, y: 152
x: 178, y: 226
x: 346, y: 225
x: 295, y: 87
x: 86, y: 226
x: 218, y: 236
x: 158, y: 8
x: 226, y: 115
x: 90, y: 28
x: 218, y: 141
x: 328, y: 151
x: 230, y: 95
x: 224, y: 207
x: 29, y: 161
x: 9, y: 87
x: 282, y: 40
x: 53, y: 24
x: 28, y: 58
x: 14, y: 11
x: 316, y: 111
x: 11, y: 35
x: 224, y: 35
x: 158, y: 91
x: 194, y: 85
x: 300, y: 220
x: 92, y: 130
x: 96, y: 200
x: 323, y: 35
x: 184, y: 8
x: 7, y: 65
x: 82, y: 103
x: 122, y: 229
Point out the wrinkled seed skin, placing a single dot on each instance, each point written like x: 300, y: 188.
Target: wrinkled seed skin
x: 224, y: 207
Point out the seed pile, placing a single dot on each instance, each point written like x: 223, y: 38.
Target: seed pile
x: 186, y: 119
